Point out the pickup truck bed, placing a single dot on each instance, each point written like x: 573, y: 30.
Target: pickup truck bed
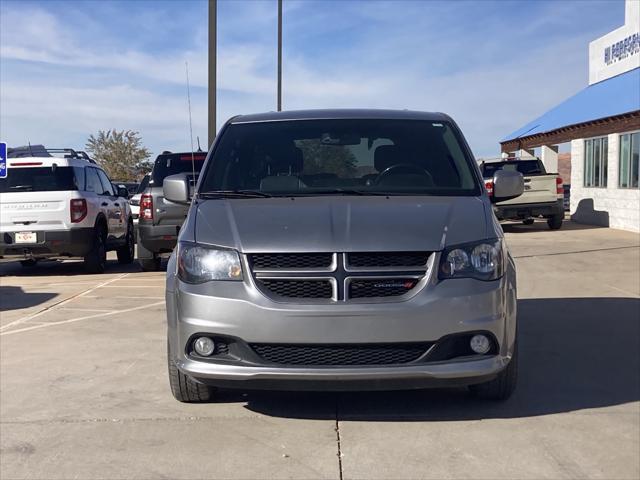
x: 543, y: 193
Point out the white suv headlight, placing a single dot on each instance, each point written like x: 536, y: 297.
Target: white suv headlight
x: 199, y: 264
x: 483, y: 260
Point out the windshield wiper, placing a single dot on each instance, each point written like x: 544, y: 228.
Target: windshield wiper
x: 234, y: 194
x: 21, y: 187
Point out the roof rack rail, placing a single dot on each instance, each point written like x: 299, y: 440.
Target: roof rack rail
x: 71, y: 153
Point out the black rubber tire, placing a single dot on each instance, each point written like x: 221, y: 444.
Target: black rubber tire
x: 126, y: 253
x: 29, y: 263
x: 147, y: 264
x: 501, y: 387
x: 95, y: 260
x: 528, y: 221
x: 185, y: 389
x: 555, y: 222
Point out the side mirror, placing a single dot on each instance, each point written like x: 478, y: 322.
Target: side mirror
x: 507, y: 184
x: 123, y: 192
x: 175, y: 188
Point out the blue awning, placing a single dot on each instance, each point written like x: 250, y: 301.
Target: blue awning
x: 614, y: 96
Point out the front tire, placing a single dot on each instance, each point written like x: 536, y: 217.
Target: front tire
x: 184, y: 388
x: 501, y: 387
x: 127, y: 251
x: 555, y: 222
x: 95, y: 260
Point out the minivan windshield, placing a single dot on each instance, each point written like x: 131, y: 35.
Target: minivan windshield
x: 340, y: 156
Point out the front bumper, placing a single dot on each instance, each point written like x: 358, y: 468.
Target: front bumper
x: 75, y: 242
x: 440, y: 309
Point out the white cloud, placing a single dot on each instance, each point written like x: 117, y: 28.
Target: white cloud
x: 401, y: 67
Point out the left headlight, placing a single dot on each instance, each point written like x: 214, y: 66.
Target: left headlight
x: 198, y: 264
x: 483, y: 260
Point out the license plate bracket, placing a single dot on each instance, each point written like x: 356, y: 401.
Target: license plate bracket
x: 26, y: 237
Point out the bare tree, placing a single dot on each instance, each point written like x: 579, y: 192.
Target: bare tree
x: 120, y: 153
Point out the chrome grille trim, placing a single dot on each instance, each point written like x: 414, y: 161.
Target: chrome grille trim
x: 340, y: 277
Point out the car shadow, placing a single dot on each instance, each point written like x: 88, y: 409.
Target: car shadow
x: 45, y: 268
x: 540, y: 225
x: 575, y: 354
x: 14, y: 298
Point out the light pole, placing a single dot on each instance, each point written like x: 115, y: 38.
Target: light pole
x: 213, y: 27
x: 279, y: 55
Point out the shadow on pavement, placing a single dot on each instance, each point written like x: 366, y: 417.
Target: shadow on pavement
x: 575, y: 354
x: 14, y: 298
x: 65, y: 268
x: 540, y: 225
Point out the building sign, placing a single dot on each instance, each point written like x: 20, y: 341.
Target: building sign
x: 3, y: 160
x: 622, y: 49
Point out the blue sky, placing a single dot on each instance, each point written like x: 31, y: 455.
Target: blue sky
x: 70, y: 68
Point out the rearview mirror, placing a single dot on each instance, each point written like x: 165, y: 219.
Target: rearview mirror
x: 507, y: 184
x: 175, y: 188
x: 123, y: 192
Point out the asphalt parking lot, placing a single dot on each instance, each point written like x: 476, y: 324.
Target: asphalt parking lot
x: 84, y: 390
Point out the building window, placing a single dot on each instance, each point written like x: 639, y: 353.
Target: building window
x: 629, y: 160
x: 596, y: 152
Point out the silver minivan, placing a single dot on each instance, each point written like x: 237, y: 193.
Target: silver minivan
x: 341, y: 250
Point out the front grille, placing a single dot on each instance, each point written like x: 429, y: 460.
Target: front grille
x: 341, y: 355
x: 291, y: 261
x: 387, y: 259
x: 297, y: 288
x: 381, y: 287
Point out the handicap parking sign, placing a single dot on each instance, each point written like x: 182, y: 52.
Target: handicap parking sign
x: 3, y: 160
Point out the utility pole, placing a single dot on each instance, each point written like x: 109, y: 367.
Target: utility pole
x: 279, y: 55
x: 213, y: 61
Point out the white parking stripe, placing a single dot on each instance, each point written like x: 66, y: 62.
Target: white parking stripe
x: 59, y: 304
x: 79, y: 319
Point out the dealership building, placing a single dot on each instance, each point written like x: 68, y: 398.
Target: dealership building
x: 602, y: 124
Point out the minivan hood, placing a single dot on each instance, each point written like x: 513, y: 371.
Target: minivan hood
x: 340, y: 223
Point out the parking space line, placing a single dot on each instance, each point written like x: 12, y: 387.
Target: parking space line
x: 79, y: 319
x: 76, y: 309
x: 60, y: 303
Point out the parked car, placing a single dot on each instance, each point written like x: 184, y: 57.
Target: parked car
x: 62, y: 206
x: 134, y: 201
x: 341, y: 249
x: 132, y: 187
x: 159, y: 220
x: 543, y: 192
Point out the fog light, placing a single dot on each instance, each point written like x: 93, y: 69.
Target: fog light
x: 480, y: 344
x: 204, y: 346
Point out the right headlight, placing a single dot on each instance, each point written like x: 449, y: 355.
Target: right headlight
x: 483, y: 260
x: 199, y: 264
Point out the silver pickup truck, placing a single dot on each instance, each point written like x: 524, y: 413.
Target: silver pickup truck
x: 341, y: 249
x: 159, y: 220
x: 543, y: 192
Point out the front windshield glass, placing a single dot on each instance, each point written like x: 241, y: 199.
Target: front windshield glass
x: 321, y: 157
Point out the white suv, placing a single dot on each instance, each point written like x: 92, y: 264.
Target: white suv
x: 62, y: 206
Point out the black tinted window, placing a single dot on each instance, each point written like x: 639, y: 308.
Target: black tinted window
x: 525, y: 167
x: 173, y: 163
x: 93, y: 182
x: 322, y: 156
x: 39, y: 179
x: 107, y: 187
x: 143, y: 184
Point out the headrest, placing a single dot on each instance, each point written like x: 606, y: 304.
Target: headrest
x: 287, y: 160
x: 387, y: 156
